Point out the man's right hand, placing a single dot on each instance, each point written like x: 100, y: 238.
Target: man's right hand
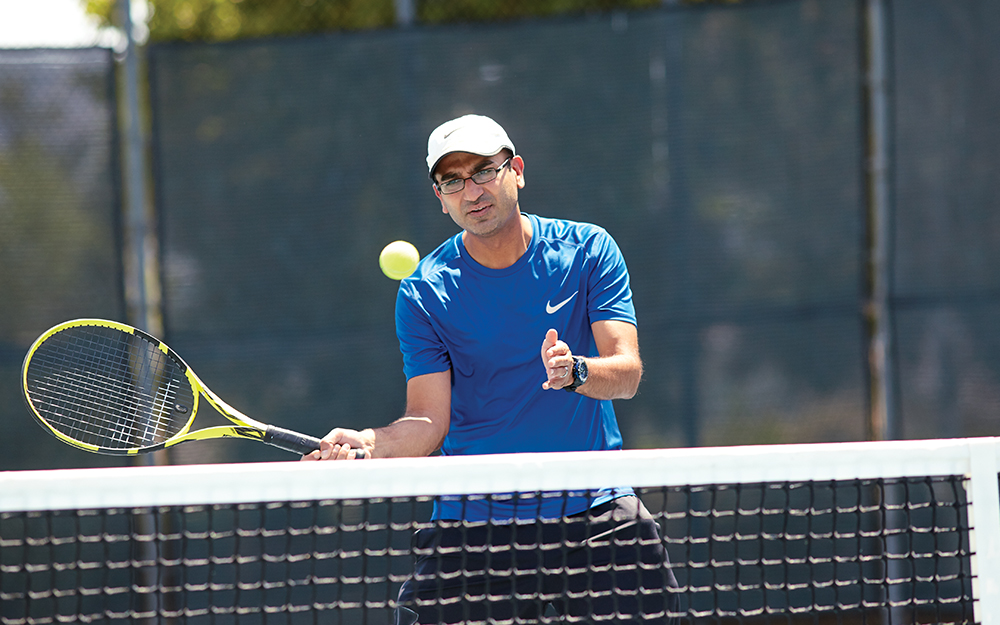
x: 343, y: 444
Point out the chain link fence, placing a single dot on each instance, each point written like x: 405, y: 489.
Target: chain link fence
x: 722, y: 146
x: 60, y: 243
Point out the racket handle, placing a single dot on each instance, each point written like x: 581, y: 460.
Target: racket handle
x: 294, y: 442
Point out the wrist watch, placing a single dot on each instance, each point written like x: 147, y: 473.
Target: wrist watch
x: 579, y: 374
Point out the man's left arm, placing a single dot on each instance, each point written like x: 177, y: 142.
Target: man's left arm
x: 614, y: 374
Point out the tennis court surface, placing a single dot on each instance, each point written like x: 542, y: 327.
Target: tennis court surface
x: 897, y: 532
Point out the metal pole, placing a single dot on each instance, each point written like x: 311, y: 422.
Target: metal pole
x: 151, y: 601
x: 884, y: 418
x: 135, y: 174
x: 984, y: 541
x: 884, y: 421
x: 405, y: 13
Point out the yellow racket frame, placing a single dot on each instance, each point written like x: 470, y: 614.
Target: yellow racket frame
x: 243, y: 426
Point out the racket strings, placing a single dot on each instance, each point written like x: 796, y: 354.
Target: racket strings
x: 105, y: 387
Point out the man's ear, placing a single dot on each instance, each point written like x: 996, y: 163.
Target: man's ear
x: 437, y: 192
x: 517, y: 166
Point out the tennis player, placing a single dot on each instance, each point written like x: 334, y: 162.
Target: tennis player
x: 517, y: 334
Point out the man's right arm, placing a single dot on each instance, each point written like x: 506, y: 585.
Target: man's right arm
x: 419, y: 432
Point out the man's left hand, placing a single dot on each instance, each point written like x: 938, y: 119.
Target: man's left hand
x: 558, y: 361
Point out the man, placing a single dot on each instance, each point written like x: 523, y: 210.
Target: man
x: 475, y: 387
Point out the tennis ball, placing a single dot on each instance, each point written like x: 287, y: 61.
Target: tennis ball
x: 398, y: 259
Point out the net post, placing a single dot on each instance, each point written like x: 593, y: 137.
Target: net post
x: 984, y: 535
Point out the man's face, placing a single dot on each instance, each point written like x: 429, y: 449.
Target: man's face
x: 481, y: 209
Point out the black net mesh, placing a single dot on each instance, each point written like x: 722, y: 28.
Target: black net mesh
x: 851, y: 551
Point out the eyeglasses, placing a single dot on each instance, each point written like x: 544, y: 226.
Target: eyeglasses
x: 480, y: 177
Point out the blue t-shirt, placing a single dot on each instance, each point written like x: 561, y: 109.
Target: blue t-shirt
x: 487, y: 327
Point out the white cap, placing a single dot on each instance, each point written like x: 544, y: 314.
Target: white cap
x: 474, y: 134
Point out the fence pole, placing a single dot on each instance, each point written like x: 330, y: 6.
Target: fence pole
x: 405, y: 13
x: 139, y: 247
x: 884, y: 416
x: 150, y: 599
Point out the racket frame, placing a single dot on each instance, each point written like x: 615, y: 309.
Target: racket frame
x: 242, y: 425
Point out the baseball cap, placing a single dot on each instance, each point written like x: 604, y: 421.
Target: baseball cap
x: 475, y: 134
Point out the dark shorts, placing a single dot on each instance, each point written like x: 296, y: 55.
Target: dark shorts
x: 605, y: 565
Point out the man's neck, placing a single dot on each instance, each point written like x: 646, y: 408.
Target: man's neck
x: 504, y: 248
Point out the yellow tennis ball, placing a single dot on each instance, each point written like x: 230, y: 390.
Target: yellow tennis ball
x: 398, y: 259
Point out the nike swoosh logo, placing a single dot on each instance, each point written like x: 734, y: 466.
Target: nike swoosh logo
x: 549, y: 308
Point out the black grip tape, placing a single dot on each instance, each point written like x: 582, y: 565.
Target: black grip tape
x: 294, y: 442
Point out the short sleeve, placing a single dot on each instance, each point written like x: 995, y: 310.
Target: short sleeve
x: 609, y: 287
x: 423, y: 350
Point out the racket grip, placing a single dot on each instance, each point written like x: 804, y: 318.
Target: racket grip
x: 294, y: 442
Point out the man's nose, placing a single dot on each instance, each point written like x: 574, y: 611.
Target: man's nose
x: 472, y: 190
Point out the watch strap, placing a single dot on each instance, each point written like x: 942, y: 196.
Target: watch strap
x: 579, y: 374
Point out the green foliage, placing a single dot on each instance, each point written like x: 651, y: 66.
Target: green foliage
x: 103, y: 9
x: 223, y: 20
x: 440, y: 11
x: 209, y: 20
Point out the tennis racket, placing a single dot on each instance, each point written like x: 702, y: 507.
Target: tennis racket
x: 109, y: 388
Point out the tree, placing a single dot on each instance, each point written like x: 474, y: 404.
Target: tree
x: 223, y: 20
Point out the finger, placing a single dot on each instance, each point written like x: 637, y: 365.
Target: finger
x: 551, y: 337
x: 346, y: 452
x: 560, y: 360
x: 547, y: 343
x: 549, y: 380
x: 330, y: 444
x: 560, y: 348
x: 557, y: 378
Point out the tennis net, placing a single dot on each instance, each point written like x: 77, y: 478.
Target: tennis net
x: 898, y: 532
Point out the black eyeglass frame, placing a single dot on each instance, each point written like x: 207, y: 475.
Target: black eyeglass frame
x: 491, y: 172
